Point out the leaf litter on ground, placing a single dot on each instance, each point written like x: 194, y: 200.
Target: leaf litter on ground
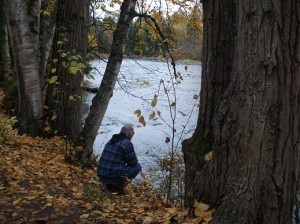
x: 37, y: 185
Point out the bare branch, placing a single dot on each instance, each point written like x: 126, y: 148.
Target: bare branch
x: 160, y: 33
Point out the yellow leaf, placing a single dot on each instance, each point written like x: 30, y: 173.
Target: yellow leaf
x: 195, y: 97
x: 73, y: 70
x: 105, y: 214
x: 146, y: 83
x: 142, y: 120
x: 137, y: 112
x: 208, y: 156
x: 208, y: 219
x: 30, y: 197
x: 63, y: 201
x: 147, y: 219
x: 140, y: 210
x: 49, y: 198
x: 207, y: 215
x: 182, y: 213
x: 152, y: 115
x: 48, y: 205
x: 197, y: 220
x: 87, y: 205
x: 202, y: 206
x: 171, y: 210
x: 142, y: 205
x: 154, y: 101
x: 84, y: 216
x: 46, y: 13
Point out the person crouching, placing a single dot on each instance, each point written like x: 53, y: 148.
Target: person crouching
x: 118, y: 161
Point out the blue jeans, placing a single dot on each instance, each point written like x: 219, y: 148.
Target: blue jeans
x: 131, y: 172
x: 119, y: 180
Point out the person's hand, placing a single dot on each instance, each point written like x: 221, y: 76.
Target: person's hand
x: 144, y: 176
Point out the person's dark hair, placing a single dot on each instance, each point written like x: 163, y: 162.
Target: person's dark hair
x: 127, y: 129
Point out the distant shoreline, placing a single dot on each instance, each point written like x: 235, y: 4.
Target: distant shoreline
x: 160, y: 59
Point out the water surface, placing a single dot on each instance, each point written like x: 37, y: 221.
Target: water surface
x: 138, y: 82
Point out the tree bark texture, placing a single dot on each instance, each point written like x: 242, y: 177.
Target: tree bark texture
x: 47, y: 29
x: 64, y: 97
x: 5, y: 62
x: 105, y: 92
x: 249, y: 114
x: 23, y: 23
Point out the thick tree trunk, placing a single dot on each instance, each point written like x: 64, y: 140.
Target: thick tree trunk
x: 250, y: 113
x: 64, y: 97
x: 105, y: 92
x: 218, y: 54
x: 23, y: 20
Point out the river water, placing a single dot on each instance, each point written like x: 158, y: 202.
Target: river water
x: 138, y: 82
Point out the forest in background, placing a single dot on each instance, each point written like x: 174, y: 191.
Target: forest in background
x: 182, y: 29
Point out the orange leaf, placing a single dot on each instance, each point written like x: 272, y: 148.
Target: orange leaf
x: 195, y: 97
x: 154, y: 101
x: 208, y: 156
x: 142, y: 120
x: 137, y: 112
x: 152, y: 115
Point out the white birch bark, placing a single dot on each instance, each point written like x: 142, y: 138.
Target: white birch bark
x: 23, y: 20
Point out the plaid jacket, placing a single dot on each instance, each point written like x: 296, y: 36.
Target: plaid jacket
x: 118, y: 153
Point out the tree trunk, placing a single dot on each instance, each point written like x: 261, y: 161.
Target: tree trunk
x: 249, y: 114
x: 5, y: 63
x: 105, y: 92
x: 47, y: 28
x: 64, y: 97
x: 23, y: 20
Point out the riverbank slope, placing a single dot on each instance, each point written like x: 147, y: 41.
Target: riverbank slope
x: 37, y: 185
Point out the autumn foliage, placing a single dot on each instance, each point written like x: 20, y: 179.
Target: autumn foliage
x: 37, y: 185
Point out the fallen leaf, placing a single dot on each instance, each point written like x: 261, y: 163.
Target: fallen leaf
x: 208, y: 156
x: 84, y: 216
x: 105, y: 214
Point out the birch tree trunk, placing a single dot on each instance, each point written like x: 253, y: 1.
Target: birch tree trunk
x: 23, y: 20
x: 250, y: 113
x: 105, y: 92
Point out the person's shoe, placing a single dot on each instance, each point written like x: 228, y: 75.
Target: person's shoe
x: 115, y: 189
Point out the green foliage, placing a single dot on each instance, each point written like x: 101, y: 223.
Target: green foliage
x: 182, y: 31
x: 103, y: 32
x: 72, y: 61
